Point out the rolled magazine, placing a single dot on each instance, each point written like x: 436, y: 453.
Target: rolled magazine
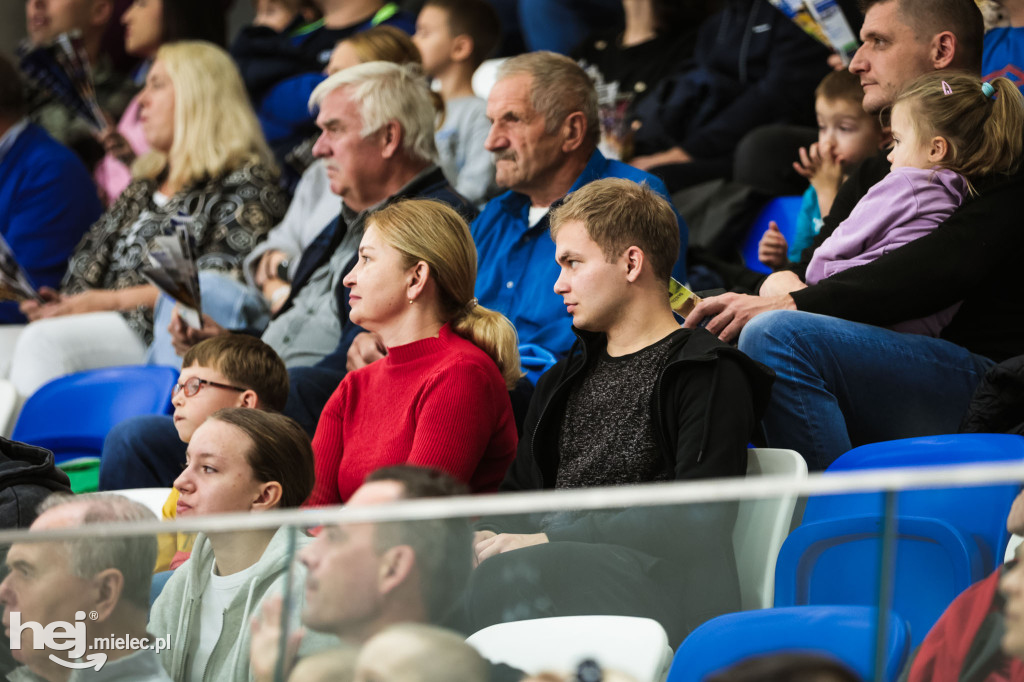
x: 824, y: 21
x: 62, y: 68
x: 172, y: 269
x: 14, y: 282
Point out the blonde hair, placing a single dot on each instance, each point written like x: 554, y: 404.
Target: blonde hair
x: 414, y: 652
x: 619, y: 213
x: 432, y: 232
x: 983, y: 132
x: 384, y: 44
x: 389, y: 44
x: 215, y: 129
x: 388, y: 92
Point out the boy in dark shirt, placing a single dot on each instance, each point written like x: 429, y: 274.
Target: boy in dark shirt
x: 637, y: 400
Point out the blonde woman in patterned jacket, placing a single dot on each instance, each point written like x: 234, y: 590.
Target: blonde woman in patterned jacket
x: 209, y: 163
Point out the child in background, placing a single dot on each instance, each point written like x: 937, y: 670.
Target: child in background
x: 846, y: 135
x: 281, y: 68
x: 234, y: 370
x: 454, y: 37
x: 279, y: 14
x: 949, y: 130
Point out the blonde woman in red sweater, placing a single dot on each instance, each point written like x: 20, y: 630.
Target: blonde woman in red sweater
x: 439, y: 398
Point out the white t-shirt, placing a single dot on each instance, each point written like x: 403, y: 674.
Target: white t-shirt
x: 537, y: 213
x: 216, y: 598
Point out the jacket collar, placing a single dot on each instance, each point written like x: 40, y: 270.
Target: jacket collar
x: 515, y: 202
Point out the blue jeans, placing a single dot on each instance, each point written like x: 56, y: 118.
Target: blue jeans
x: 841, y: 384
x: 230, y: 303
x: 142, y: 452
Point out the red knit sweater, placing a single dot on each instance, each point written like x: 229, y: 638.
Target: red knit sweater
x: 438, y: 402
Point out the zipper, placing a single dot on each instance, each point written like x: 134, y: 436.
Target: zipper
x: 562, y: 384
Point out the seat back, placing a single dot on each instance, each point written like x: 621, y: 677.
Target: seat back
x: 152, y: 498
x: 762, y: 525
x: 839, y: 561
x: 977, y: 512
x: 784, y: 211
x: 846, y: 633
x: 635, y: 646
x: 71, y: 415
x: 8, y: 406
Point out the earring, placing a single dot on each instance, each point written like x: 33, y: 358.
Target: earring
x: 410, y: 301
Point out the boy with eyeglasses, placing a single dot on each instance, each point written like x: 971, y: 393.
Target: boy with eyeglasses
x: 232, y: 370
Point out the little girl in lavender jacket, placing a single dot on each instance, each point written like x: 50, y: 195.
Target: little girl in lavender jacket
x: 947, y: 129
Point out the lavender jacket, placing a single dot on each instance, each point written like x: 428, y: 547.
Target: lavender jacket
x: 905, y: 205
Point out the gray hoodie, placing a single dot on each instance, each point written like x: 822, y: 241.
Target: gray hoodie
x: 177, y: 609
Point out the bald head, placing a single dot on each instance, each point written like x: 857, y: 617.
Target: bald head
x: 134, y: 557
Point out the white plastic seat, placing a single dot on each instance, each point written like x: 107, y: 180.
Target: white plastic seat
x: 152, y: 498
x: 637, y: 647
x: 762, y: 526
x: 1011, y: 547
x: 8, y: 407
x: 486, y: 76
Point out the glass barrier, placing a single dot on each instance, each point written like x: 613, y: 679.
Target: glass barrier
x: 678, y: 581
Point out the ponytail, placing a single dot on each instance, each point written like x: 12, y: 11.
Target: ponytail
x: 494, y: 334
x: 432, y: 232
x: 999, y: 148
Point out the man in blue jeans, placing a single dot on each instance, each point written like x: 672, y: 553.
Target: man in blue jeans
x: 843, y: 378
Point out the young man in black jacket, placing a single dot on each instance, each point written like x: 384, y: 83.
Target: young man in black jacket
x: 637, y: 400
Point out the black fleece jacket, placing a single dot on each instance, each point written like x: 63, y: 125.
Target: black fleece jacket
x: 754, y: 66
x: 707, y: 404
x: 27, y: 477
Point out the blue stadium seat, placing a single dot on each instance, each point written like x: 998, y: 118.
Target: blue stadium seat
x: 847, y: 633
x: 72, y: 415
x: 783, y: 210
x: 978, y: 513
x: 838, y: 561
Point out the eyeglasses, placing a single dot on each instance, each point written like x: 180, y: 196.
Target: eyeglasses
x: 193, y: 385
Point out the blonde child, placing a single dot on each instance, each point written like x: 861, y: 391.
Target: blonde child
x: 846, y: 135
x: 948, y: 130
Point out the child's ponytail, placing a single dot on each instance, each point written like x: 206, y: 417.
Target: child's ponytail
x: 983, y: 123
x: 999, y: 148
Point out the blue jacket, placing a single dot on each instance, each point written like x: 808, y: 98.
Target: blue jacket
x: 47, y: 202
x: 516, y: 268
x: 1004, y: 55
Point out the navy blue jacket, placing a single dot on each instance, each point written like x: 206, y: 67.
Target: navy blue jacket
x: 754, y: 66
x: 47, y: 202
